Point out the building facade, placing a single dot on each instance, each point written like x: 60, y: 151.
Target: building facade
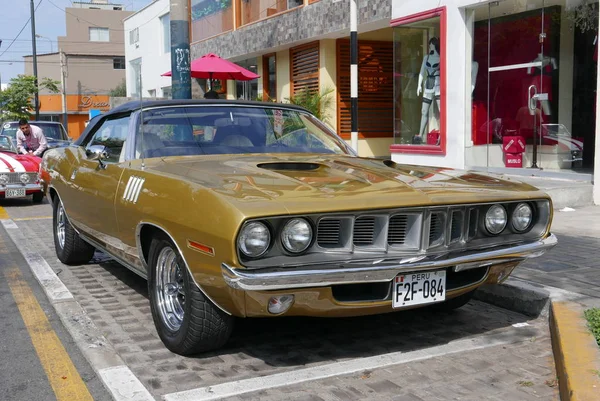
x: 490, y: 85
x: 148, y: 51
x: 92, y: 58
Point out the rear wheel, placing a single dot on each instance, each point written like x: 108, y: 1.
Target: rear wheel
x: 38, y: 197
x: 187, y: 322
x: 70, y: 248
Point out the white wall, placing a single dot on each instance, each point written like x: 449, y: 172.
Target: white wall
x: 149, y: 48
x: 458, y: 62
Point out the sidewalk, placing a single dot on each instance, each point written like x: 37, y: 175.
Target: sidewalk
x: 570, y: 274
x: 567, y: 188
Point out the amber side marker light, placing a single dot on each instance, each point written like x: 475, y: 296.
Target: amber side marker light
x: 196, y: 246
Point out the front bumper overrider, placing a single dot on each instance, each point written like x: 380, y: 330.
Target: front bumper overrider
x: 324, y: 275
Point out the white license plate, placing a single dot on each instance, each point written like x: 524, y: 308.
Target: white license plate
x: 14, y: 192
x: 419, y: 288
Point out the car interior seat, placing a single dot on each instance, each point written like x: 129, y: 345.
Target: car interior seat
x: 231, y: 135
x: 148, y: 144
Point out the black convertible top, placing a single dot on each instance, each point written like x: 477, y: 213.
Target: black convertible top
x: 135, y: 104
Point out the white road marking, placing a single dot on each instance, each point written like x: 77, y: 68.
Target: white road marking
x: 236, y: 388
x: 54, y: 288
x: 125, y: 386
x: 106, y: 362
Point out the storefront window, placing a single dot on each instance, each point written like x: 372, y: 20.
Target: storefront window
x: 533, y: 102
x: 419, y: 84
x: 247, y: 90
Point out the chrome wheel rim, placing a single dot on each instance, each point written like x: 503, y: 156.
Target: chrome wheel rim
x: 60, y: 225
x: 169, y: 290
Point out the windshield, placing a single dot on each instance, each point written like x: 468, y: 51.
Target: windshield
x: 6, y: 144
x: 205, y: 130
x: 50, y: 130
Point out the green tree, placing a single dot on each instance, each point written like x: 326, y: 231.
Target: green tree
x: 16, y: 100
x: 119, y: 90
x: 313, y: 101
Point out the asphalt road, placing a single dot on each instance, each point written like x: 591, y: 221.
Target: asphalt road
x: 37, y: 354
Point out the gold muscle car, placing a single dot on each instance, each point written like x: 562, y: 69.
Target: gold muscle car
x: 236, y: 209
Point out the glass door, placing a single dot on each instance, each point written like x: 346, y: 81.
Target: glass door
x: 515, y: 86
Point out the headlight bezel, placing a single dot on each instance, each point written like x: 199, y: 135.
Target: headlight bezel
x: 283, y: 231
x: 4, y: 179
x: 496, y: 206
x: 247, y: 226
x: 24, y: 178
x: 531, y: 217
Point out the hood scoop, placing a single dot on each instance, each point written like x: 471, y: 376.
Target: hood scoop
x: 289, y: 166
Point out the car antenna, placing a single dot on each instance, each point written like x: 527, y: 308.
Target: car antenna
x: 141, y: 125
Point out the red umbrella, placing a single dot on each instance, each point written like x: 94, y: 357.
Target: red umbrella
x: 211, y: 66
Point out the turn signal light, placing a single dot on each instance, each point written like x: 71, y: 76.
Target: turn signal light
x: 280, y: 304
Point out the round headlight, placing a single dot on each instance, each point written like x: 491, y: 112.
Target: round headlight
x: 296, y: 235
x: 24, y: 178
x: 3, y: 179
x: 522, y: 217
x: 495, y: 219
x: 254, y: 239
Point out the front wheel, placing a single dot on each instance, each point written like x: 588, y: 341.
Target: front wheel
x: 186, y: 321
x: 38, y: 197
x: 454, y: 303
x: 70, y: 248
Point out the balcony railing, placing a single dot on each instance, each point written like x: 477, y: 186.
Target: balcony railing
x: 255, y: 10
x: 210, y: 18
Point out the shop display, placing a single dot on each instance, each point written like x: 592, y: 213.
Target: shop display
x: 429, y: 84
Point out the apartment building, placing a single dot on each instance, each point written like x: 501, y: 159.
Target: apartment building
x: 92, y: 61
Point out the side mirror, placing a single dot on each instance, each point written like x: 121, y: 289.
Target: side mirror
x: 97, y: 152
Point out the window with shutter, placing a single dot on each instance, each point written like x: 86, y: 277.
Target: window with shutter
x: 375, y: 89
x: 304, y: 67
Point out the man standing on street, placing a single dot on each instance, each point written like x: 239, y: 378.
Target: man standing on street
x: 30, y: 139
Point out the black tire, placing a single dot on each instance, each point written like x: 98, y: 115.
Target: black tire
x: 73, y: 250
x: 454, y: 303
x: 38, y: 197
x: 204, y: 326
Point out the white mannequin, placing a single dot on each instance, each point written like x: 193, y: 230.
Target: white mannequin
x: 429, y: 83
x: 545, y: 62
x: 474, y: 70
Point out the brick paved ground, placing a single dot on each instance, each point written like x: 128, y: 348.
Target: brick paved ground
x: 574, y: 264
x: 117, y: 301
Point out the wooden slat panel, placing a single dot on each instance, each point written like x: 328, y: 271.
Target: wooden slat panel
x: 304, y: 67
x: 375, y: 88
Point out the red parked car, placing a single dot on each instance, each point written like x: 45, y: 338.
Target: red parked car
x: 18, y: 173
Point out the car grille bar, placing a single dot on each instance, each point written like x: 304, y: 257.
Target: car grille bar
x: 15, y: 178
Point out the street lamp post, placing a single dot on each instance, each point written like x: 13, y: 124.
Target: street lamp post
x: 48, y: 39
x: 36, y: 95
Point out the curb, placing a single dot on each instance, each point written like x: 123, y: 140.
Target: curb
x: 576, y: 354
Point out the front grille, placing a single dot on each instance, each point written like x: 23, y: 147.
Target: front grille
x: 436, y: 229
x: 364, y: 231
x: 456, y: 226
x: 15, y: 178
x: 397, y: 229
x: 329, y: 233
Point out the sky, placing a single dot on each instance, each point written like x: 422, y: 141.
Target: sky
x: 49, y: 23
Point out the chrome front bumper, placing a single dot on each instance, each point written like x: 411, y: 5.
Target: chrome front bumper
x: 325, y: 275
x: 28, y: 187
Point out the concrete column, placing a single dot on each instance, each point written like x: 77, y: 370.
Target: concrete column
x: 597, y: 151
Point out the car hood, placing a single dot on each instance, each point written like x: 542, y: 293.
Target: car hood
x: 275, y: 184
x: 16, y: 163
x: 57, y: 143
